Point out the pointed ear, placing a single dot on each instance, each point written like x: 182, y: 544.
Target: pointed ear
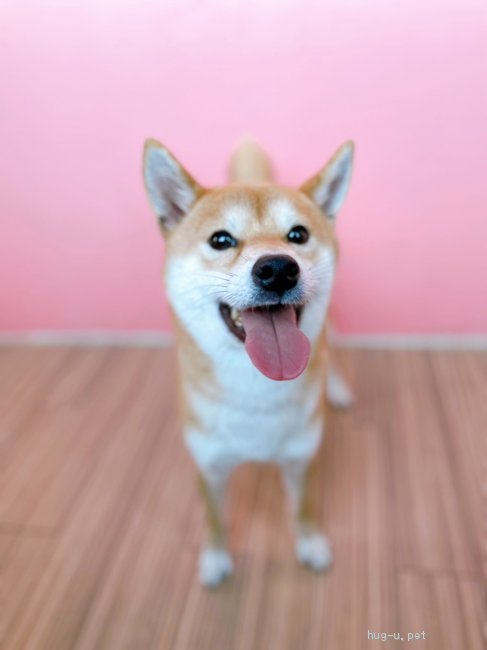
x: 329, y: 186
x: 171, y: 190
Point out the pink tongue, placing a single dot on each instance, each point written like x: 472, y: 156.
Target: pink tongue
x: 274, y: 343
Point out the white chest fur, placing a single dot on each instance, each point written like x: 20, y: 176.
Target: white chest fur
x: 255, y: 418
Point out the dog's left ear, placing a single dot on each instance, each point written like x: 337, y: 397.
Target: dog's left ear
x: 328, y: 188
x: 171, y: 189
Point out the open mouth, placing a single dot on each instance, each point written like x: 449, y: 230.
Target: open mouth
x: 233, y: 317
x: 275, y: 344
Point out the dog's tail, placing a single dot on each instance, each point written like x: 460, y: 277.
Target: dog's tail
x: 250, y: 164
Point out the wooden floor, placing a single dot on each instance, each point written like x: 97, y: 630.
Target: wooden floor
x: 100, y: 519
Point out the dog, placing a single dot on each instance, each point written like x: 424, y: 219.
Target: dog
x: 249, y: 270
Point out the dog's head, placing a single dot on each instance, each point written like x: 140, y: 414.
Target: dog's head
x: 249, y: 268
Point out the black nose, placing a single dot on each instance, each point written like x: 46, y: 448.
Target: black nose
x: 276, y: 273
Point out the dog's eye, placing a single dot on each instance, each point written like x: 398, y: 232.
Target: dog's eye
x: 298, y: 235
x: 221, y: 240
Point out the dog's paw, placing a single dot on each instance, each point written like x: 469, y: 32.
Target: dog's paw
x: 338, y: 393
x: 215, y: 566
x: 314, y: 551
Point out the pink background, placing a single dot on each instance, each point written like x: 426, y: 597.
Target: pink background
x: 83, y: 83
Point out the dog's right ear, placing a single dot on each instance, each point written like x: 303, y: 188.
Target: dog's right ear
x: 171, y: 189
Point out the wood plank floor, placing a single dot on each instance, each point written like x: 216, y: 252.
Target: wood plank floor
x: 100, y: 519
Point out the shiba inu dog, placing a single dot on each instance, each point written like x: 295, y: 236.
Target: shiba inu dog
x: 249, y: 270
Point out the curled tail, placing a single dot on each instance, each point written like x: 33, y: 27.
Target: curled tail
x: 250, y: 164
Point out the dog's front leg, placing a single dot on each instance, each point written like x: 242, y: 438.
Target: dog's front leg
x: 312, y: 547
x: 215, y: 561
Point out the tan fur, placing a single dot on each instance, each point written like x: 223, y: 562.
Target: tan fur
x: 196, y: 373
x: 216, y: 532
x: 259, y: 215
x: 306, y: 517
x: 206, y: 218
x: 315, y: 373
x: 249, y: 164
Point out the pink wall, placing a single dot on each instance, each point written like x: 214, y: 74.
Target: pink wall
x: 83, y: 83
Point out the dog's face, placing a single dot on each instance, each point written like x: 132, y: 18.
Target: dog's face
x: 249, y: 269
